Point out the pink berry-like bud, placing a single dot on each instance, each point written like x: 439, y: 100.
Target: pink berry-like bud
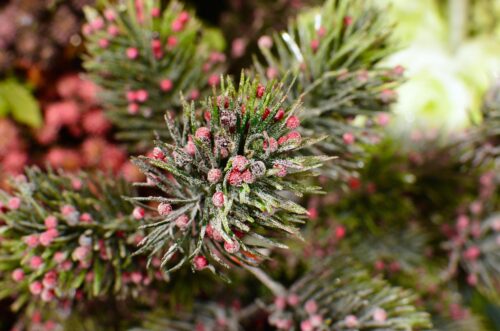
x: 383, y: 119
x: 190, y: 148
x: 279, y: 114
x: 213, y: 233
x: 110, y: 14
x: 142, y: 95
x: 131, y: 97
x: 351, y: 321
x: 138, y: 213
x: 472, y: 253
x: 81, y: 253
x: 260, y: 91
x: 177, y: 25
x: 282, y: 170
x: 47, y: 295
x: 248, y: 177
x: 50, y: 222
x: 314, y: 45
x: 47, y: 237
x: 86, y: 218
x: 293, y: 299
x: 203, y: 133
x: 166, y: 85
x: 31, y: 240
x: 306, y: 326
x: 158, y: 153
x: 155, y: 12
x: 103, y: 43
x: 294, y: 136
x: 200, y: 262
x: 232, y: 247
x: 379, y: 315
x: 14, y: 203
x: 214, y: 175
x: 239, y: 162
x: 36, y: 262
x: 36, y: 288
x: 311, y: 307
x: 265, y: 42
x: 182, y: 222
x: 172, y: 42
x: 113, y: 30
x: 234, y: 178
x: 97, y: 24
x: 18, y: 275
x: 213, y: 80
x: 272, y: 144
x: 218, y: 199
x: 292, y: 122
x: 280, y: 302
x: 316, y: 320
x: 50, y: 279
x: 348, y: 138
x: 132, y: 53
x: 183, y: 17
x: 164, y: 209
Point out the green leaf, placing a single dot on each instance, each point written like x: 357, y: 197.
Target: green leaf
x: 23, y: 106
x: 4, y: 106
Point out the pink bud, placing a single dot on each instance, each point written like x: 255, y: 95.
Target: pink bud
x: 190, y: 148
x: 218, y: 199
x: 136, y: 277
x: 293, y: 299
x: 133, y: 108
x: 86, y: 218
x: 472, y: 279
x: 200, y: 262
x: 462, y: 222
x: 110, y: 14
x: 183, y: 17
x: 280, y: 302
x: 36, y: 262
x: 47, y: 295
x: 166, y: 85
x: 103, y: 43
x: 36, y: 288
x: 351, y: 321
x: 348, y: 138
x: 138, y: 213
x: 155, y: 12
x: 113, y: 30
x: 272, y: 144
x: 265, y: 42
x: 81, y: 253
x: 239, y: 162
x: 14, y: 203
x: 50, y: 279
x: 472, y: 253
x: 311, y: 307
x: 260, y: 91
x: 203, y: 133
x: 214, y: 175
x: 282, y: 170
x: 47, y: 237
x: 50, y: 222
x: 232, y: 247
x: 213, y: 80
x: 379, y: 315
x: 31, y: 240
x: 97, y: 24
x: 18, y: 275
x: 158, y: 153
x: 182, y: 222
x: 177, y: 25
x: 172, y: 42
x: 59, y: 257
x: 132, y: 53
x: 314, y: 45
x: 316, y: 320
x: 279, y: 114
x: 234, y: 178
x: 213, y: 233
x: 131, y: 97
x: 164, y: 209
x: 248, y: 177
x: 142, y: 95
x: 67, y: 210
x: 383, y: 119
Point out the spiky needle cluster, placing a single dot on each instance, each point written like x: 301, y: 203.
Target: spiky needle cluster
x: 67, y: 237
x: 338, y: 295
x: 143, y: 55
x: 336, y: 52
x: 227, y: 177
